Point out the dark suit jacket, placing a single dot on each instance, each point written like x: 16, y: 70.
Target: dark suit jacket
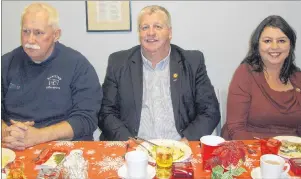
x: 194, y: 102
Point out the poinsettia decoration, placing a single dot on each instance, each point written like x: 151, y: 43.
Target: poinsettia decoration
x: 219, y: 173
x: 229, y: 154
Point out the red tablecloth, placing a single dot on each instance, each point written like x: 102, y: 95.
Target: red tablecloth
x: 105, y: 157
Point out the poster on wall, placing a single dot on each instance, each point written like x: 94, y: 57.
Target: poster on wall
x: 108, y: 16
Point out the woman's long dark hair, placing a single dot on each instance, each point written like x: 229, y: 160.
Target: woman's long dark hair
x: 253, y: 57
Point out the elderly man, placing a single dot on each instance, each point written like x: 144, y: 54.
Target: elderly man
x: 49, y: 91
x: 157, y: 89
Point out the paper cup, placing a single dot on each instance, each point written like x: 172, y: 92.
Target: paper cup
x: 136, y: 162
x: 208, y: 144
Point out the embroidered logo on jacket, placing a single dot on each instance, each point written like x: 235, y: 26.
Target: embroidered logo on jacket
x: 13, y: 86
x: 53, y: 82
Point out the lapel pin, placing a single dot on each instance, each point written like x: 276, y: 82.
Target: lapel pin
x: 175, y: 76
x: 298, y: 90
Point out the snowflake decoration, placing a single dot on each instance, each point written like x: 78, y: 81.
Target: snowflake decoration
x: 199, y: 155
x: 115, y: 143
x: 36, y: 152
x: 109, y: 163
x: 255, y: 154
x: 249, y: 162
x: 22, y: 157
x: 90, y: 152
x: 195, y: 161
x: 65, y: 143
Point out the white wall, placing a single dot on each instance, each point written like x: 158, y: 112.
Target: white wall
x: 221, y: 30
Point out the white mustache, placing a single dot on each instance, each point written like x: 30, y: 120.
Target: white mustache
x: 36, y: 47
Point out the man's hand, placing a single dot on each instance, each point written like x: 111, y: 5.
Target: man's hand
x: 185, y: 141
x: 28, y: 123
x: 33, y: 136
x: 13, y: 136
x: 18, y: 129
x: 23, y: 135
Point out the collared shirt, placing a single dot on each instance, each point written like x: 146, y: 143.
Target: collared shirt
x: 157, y: 117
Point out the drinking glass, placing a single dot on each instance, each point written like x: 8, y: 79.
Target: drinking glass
x: 16, y: 170
x: 164, y: 160
x: 269, y: 146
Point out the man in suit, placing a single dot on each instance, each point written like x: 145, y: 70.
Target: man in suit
x: 157, y: 89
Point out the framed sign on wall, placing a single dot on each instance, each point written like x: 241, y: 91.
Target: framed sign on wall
x: 108, y: 16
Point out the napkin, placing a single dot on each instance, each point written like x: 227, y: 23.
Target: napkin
x: 54, y: 160
x: 182, y: 170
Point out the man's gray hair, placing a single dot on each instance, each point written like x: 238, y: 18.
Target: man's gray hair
x: 53, y: 15
x: 154, y: 9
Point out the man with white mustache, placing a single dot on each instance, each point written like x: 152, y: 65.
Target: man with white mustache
x: 34, y: 46
x: 157, y: 89
x: 49, y: 91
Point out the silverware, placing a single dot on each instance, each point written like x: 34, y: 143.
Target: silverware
x: 148, y: 151
x: 250, y: 150
x: 126, y: 150
x: 151, y: 143
x: 139, y: 138
x: 38, y: 157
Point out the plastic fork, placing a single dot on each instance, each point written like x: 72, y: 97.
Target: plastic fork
x: 126, y: 150
x: 148, y: 151
x: 38, y: 157
x: 139, y: 138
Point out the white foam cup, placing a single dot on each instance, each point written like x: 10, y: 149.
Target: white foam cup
x: 136, y: 162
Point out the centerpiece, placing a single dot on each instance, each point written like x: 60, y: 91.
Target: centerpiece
x: 227, y: 159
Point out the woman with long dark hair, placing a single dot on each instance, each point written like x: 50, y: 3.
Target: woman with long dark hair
x: 264, y: 98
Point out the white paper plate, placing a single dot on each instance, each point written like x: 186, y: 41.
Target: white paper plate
x: 290, y: 139
x: 7, y: 156
x: 169, y: 143
x: 122, y: 172
x: 256, y: 174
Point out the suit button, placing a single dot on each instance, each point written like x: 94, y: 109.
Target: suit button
x: 136, y: 130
